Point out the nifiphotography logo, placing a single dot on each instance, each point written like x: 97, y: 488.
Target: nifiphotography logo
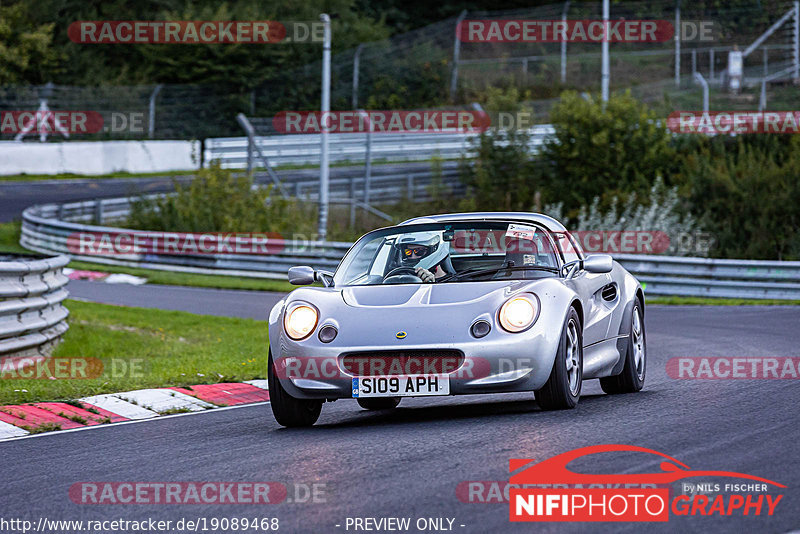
x: 549, y: 491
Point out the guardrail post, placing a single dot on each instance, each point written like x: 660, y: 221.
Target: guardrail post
x: 524, y: 71
x: 352, y: 201
x: 367, y: 158
x: 410, y: 187
x: 356, y: 63
x: 677, y: 43
x: 605, y: 67
x: 796, y: 40
x: 324, y: 162
x: 151, y: 126
x: 564, y: 45
x: 297, y: 190
x: 98, y: 211
x: 61, y: 212
x: 702, y: 81
x: 711, y: 64
x: 456, y: 52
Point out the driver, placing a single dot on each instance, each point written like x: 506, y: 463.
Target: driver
x: 426, y: 253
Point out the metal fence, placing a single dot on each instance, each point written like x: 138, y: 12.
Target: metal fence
x: 304, y: 149
x: 32, y: 317
x: 45, y: 228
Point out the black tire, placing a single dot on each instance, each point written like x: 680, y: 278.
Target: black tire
x: 557, y: 394
x: 631, y: 379
x: 290, y: 411
x: 381, y: 403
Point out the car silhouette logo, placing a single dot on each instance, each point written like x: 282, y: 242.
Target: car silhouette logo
x: 400, y: 335
x: 554, y: 470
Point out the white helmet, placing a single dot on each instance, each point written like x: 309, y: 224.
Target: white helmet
x: 435, y: 249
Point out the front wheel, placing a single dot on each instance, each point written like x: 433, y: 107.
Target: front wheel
x: 563, y: 389
x: 631, y: 379
x: 289, y: 411
x: 381, y: 403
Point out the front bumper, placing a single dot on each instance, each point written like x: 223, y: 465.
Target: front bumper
x: 499, y: 362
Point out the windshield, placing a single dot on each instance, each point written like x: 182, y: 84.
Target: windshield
x: 449, y: 253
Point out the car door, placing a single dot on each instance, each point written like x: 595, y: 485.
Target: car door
x: 593, y: 289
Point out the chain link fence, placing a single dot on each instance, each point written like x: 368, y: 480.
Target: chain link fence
x: 429, y: 67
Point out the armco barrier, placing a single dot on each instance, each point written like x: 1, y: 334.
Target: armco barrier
x: 303, y: 149
x: 45, y: 228
x: 32, y: 317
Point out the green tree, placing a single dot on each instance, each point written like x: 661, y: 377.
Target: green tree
x: 747, y: 194
x: 27, y: 54
x: 604, y: 150
x: 217, y: 201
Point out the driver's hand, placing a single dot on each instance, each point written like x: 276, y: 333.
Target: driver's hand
x: 425, y: 274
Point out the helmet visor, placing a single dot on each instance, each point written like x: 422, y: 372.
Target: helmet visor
x: 413, y: 251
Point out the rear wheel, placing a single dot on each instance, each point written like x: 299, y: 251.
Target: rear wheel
x: 383, y: 403
x: 563, y: 389
x: 290, y: 411
x: 631, y: 379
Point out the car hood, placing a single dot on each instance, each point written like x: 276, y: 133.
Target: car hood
x: 427, y: 294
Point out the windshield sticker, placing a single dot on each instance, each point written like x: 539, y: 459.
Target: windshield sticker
x: 521, y: 231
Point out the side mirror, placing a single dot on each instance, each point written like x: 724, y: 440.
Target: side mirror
x: 302, y: 275
x: 598, y: 263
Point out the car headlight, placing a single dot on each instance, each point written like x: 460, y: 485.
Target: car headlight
x: 519, y: 313
x: 300, y: 321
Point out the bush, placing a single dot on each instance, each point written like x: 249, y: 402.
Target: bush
x: 664, y: 212
x: 602, y: 150
x: 502, y: 175
x: 746, y: 192
x: 217, y: 201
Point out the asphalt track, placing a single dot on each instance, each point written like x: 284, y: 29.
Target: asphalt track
x: 408, y: 463
x: 15, y: 196
x: 221, y: 302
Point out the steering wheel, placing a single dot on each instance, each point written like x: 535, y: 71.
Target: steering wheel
x: 398, y: 271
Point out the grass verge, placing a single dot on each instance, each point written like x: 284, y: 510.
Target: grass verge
x: 187, y: 172
x: 190, y: 279
x: 144, y: 348
x: 709, y: 301
x: 110, y: 176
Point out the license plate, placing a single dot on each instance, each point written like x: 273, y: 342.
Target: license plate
x: 400, y: 386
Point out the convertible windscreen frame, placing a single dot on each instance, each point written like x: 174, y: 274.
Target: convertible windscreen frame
x: 480, y: 225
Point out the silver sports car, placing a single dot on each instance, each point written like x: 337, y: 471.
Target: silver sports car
x: 451, y: 305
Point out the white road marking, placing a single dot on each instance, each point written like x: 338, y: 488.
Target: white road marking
x: 95, y: 427
x: 115, y: 405
x: 7, y: 430
x: 162, y: 400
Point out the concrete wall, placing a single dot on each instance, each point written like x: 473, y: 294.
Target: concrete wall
x: 99, y: 157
